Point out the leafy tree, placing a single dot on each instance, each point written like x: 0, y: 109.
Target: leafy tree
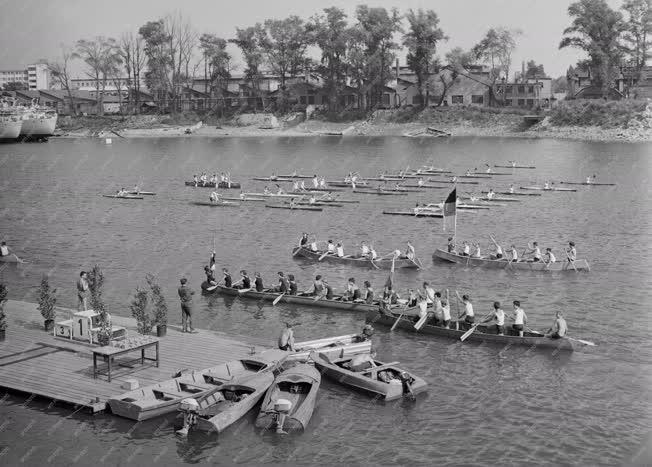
x: 217, y: 64
x: 560, y: 84
x: 15, y: 86
x: 373, y: 49
x: 421, y: 40
x: 96, y: 285
x: 284, y: 43
x: 533, y: 70
x: 457, y: 62
x: 495, y: 49
x: 331, y: 34
x: 247, y: 41
x: 596, y: 29
x: 637, y: 37
x: 102, y: 58
x: 158, y: 300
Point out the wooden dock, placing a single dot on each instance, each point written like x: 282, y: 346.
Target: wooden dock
x: 35, y: 362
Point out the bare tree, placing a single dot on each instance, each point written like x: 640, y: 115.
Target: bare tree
x: 101, y: 57
x: 132, y: 51
x: 61, y: 72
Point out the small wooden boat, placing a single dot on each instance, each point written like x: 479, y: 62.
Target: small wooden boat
x: 540, y: 188
x: 483, y: 333
x: 215, y: 204
x: 145, y: 193
x: 219, y: 409
x: 515, y: 193
x: 386, y: 380
x: 273, y: 179
x: 419, y: 213
x: 293, y: 208
x: 588, y: 184
x: 161, y: 398
x: 333, y: 347
x: 384, y: 263
x: 212, y: 185
x: 580, y: 264
x: 124, y: 196
x: 335, y: 303
x: 290, y: 401
x: 10, y: 258
x: 379, y: 192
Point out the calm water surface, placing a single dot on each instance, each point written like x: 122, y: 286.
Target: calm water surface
x: 486, y: 404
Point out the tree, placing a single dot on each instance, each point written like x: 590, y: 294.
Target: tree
x: 134, y: 59
x: 596, y: 29
x: 217, y: 64
x: 15, y: 86
x: 532, y: 70
x: 61, y: 73
x: 102, y: 58
x: 247, y: 40
x: 457, y: 61
x: 421, y: 41
x: 284, y: 43
x: 495, y: 49
x: 373, y: 36
x: 560, y: 84
x: 638, y: 32
x: 330, y: 33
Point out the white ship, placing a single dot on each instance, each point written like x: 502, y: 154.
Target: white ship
x: 10, y: 124
x: 38, y: 122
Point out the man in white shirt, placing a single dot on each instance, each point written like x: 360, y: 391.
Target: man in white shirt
x: 498, y: 316
x: 520, y: 318
x: 340, y: 250
x: 536, y: 252
x: 467, y: 314
x: 550, y: 257
x: 571, y: 252
x: 4, y: 249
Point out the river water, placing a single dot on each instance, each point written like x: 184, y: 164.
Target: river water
x: 485, y: 404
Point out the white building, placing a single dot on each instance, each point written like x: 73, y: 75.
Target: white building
x: 36, y: 76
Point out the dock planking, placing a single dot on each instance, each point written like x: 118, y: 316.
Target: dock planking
x: 35, y: 362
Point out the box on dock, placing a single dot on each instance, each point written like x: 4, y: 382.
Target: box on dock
x: 130, y: 384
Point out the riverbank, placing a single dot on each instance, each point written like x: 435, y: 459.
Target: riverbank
x: 582, y: 121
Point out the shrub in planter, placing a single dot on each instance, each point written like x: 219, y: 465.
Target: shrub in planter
x: 95, y: 284
x: 46, y: 302
x: 139, y: 311
x: 160, y: 307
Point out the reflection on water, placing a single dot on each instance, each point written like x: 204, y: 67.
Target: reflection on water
x: 485, y: 404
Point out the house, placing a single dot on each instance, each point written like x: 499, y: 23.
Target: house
x: 528, y: 93
x: 634, y: 84
x: 580, y: 86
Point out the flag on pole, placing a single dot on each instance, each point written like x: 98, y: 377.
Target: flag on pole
x: 450, y: 211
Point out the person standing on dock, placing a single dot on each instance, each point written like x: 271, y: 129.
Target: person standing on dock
x: 185, y: 295
x: 82, y: 291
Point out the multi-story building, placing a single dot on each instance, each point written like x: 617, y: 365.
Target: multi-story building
x: 528, y: 93
x: 35, y: 76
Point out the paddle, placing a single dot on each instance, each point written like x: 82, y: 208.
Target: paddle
x: 318, y: 297
x: 323, y: 256
x: 581, y: 341
x: 278, y: 299
x: 399, y: 318
x: 373, y: 264
x: 297, y: 251
x: 464, y: 336
x: 241, y: 291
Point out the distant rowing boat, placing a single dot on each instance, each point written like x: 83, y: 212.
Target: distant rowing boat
x: 515, y: 193
x: 425, y: 186
x: 385, y: 263
x: 588, y: 184
x: 294, y: 208
x: 425, y: 213
x: 10, y: 258
x: 212, y: 185
x: 580, y: 264
x: 515, y: 166
x: 245, y: 199
x: 272, y: 179
x: 146, y: 193
x: 297, y: 176
x: 380, y: 192
x: 493, y: 173
x: 540, y: 188
x: 490, y: 200
x: 456, y: 181
x: 473, y: 176
x: 320, y: 203
x: 214, y: 205
x: 124, y: 196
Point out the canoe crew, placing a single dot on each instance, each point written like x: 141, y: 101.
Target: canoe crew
x: 315, y: 181
x: 546, y: 186
x: 228, y: 282
x: 212, y: 262
x: 286, y: 339
x: 317, y: 287
x: 266, y: 191
x: 397, y: 186
x: 224, y: 178
x: 466, y: 251
x: 340, y: 250
x: 313, y: 244
x: 258, y: 281
x: 413, y: 298
x: 292, y: 284
x: 497, y: 315
x: 136, y: 190
x: 273, y: 177
x: 511, y: 188
x: 421, y: 182
x: 242, y: 196
x: 303, y: 185
x: 293, y: 203
x: 571, y: 252
x: 488, y: 169
x: 454, y: 180
x: 283, y: 284
x: 330, y: 247
x: 312, y: 199
x: 477, y: 253
x: 4, y: 249
x: 244, y: 282
x: 203, y: 178
x: 210, y: 277
x: 514, y: 254
x: 322, y: 182
x: 439, y: 312
x: 364, y: 248
x: 451, y: 245
x: 352, y: 291
x: 304, y: 240
x: 536, y: 251
x: 468, y: 172
x: 409, y: 251
x: 295, y: 185
x: 499, y: 251
x: 446, y: 311
x: 214, y: 180
x: 429, y: 293
x: 559, y: 327
x: 588, y: 180
x: 372, y: 252
x: 490, y: 193
x: 280, y: 191
x: 369, y: 293
x: 121, y: 192
x: 195, y: 179
x: 215, y: 197
x: 467, y: 314
x: 328, y: 290
x: 513, y: 163
x: 520, y: 318
x: 550, y: 257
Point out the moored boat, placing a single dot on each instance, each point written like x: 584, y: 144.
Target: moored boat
x: 333, y: 347
x: 212, y: 185
x: 381, y: 263
x: 10, y: 124
x: 483, y: 333
x: 272, y: 179
x: 290, y: 401
x: 580, y: 264
x: 161, y: 398
x: 386, y: 380
x: 144, y: 193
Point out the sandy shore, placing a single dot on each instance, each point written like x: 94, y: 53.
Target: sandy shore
x: 364, y: 128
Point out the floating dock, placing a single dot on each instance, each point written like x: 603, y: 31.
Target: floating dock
x: 37, y: 363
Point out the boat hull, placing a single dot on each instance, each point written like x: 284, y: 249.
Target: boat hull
x: 580, y: 264
x: 413, y: 214
x: 10, y: 130
x: 38, y: 127
x: 214, y: 205
x: 540, y: 188
x: 481, y: 334
x: 10, y: 258
x: 227, y: 185
x: 332, y: 347
x: 306, y: 380
x: 380, y: 263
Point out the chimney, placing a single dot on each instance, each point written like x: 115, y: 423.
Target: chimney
x: 523, y: 71
x: 397, y: 70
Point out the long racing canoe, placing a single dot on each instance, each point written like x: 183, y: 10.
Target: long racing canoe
x: 454, y: 181
x: 580, y: 264
x: 212, y: 185
x: 516, y: 166
x: 384, y: 263
x: 214, y: 205
x: 540, y: 188
x: 124, y: 196
x: 293, y: 208
x: 514, y: 193
x: 483, y: 333
x: 380, y: 192
x: 419, y: 213
x: 588, y: 184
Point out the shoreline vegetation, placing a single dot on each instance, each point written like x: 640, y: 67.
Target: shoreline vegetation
x: 584, y: 120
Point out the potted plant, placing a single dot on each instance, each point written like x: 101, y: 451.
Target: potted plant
x: 95, y: 283
x: 160, y: 307
x: 139, y: 311
x: 46, y: 301
x: 3, y: 315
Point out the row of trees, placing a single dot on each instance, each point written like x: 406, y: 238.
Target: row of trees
x: 610, y: 38
x: 168, y: 54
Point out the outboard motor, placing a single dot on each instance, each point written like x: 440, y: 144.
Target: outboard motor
x: 190, y: 409
x: 282, y: 408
